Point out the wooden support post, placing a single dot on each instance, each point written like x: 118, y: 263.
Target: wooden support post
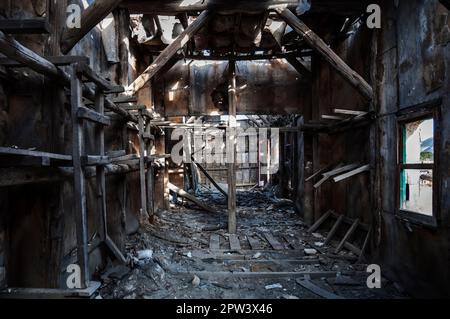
x: 350, y: 232
x: 150, y: 176
x: 231, y: 147
x: 79, y: 180
x: 144, y: 211
x: 322, y: 48
x: 92, y: 16
x: 169, y: 53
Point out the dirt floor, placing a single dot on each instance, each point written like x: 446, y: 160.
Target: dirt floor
x: 188, y: 254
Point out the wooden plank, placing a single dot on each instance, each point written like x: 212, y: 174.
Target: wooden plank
x: 231, y: 147
x: 142, y: 180
x: 365, y: 245
x: 22, y: 152
x: 234, y: 242
x: 134, y: 107
x: 293, y: 243
x: 125, y: 99
x: 214, y: 242
x: 92, y: 16
x: 190, y: 197
x: 220, y: 189
x: 319, y: 222
x: 169, y: 53
x: 91, y: 115
x: 334, y: 229
x: 273, y: 242
x: 328, y: 175
x: 14, y: 50
x: 56, y: 60
x: 349, y: 112
x: 308, y: 284
x: 340, y: 170
x: 48, y: 293
x: 115, y: 251
x: 79, y: 181
x: 352, y: 248
x: 255, y: 244
x: 357, y: 171
x: 316, y: 43
x: 101, y: 83
x: 320, y: 171
x: 25, y: 26
x: 94, y: 160
x: 116, y: 154
x: 332, y: 117
x: 347, y: 236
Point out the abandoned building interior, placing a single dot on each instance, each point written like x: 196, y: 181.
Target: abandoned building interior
x: 344, y: 162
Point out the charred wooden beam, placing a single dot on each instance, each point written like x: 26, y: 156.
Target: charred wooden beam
x: 299, y: 67
x: 191, y: 198
x: 56, y: 60
x: 25, y: 26
x: 327, y: 53
x: 231, y: 147
x: 169, y: 53
x: 209, y: 177
x: 174, y: 7
x: 180, y: 6
x: 16, y: 51
x: 92, y: 16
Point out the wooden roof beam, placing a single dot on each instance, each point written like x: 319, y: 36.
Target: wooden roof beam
x: 92, y: 16
x: 316, y: 43
x: 169, y: 53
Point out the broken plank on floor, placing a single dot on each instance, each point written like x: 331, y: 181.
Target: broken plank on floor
x: 234, y: 242
x: 273, y: 242
x: 255, y: 244
x: 308, y: 284
x: 214, y: 242
x: 293, y: 242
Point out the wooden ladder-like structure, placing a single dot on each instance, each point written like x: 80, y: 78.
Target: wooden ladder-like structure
x: 80, y: 113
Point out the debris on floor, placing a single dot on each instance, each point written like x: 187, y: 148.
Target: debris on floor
x: 276, y: 257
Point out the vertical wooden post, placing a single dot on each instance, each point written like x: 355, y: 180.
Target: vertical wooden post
x: 150, y: 176
x: 55, y: 95
x: 231, y: 147
x: 144, y: 211
x: 79, y: 179
x: 100, y: 176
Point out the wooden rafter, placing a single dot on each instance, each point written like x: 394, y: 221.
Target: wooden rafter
x: 92, y: 16
x: 169, y: 52
x: 326, y: 52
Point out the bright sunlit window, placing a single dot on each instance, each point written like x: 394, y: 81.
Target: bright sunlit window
x: 416, y: 166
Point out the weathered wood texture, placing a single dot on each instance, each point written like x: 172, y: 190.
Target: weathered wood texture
x: 92, y: 16
x: 169, y: 53
x: 324, y: 50
x: 231, y: 147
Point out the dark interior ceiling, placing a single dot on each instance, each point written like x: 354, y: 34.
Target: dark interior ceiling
x: 236, y: 30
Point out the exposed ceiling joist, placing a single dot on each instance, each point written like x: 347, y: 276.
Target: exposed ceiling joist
x: 92, y: 16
